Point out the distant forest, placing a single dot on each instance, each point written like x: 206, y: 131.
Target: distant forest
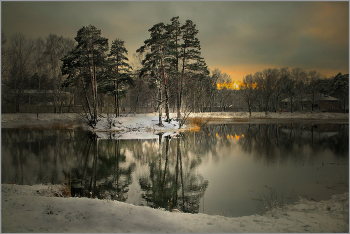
x: 167, y: 74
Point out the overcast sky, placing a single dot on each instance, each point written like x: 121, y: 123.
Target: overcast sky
x: 239, y: 38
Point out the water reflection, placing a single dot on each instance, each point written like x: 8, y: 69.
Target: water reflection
x: 99, y: 168
x: 103, y: 171
x: 224, y: 166
x: 275, y: 142
x: 170, y: 183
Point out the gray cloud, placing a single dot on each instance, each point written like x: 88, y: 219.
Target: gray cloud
x: 312, y: 35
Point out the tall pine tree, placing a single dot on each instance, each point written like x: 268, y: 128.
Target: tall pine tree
x: 172, y: 53
x: 153, y: 65
x: 118, y: 73
x: 174, y: 34
x: 86, y: 61
x: 193, y: 65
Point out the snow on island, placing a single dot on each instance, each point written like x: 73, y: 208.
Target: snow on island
x: 145, y: 126
x: 39, y: 208
x: 135, y: 127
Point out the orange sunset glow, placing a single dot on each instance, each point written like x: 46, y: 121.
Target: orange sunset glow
x: 232, y: 85
x: 235, y: 85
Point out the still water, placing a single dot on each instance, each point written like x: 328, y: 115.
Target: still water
x: 230, y: 170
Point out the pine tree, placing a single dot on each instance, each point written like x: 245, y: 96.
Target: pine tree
x: 118, y: 73
x: 86, y: 61
x: 153, y: 65
x: 340, y: 88
x: 174, y: 34
x: 174, y: 58
x: 193, y: 65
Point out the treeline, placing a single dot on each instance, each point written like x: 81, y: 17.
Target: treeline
x: 168, y: 74
x: 266, y: 89
x: 32, y: 64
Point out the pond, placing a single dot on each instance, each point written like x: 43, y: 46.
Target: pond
x: 222, y: 169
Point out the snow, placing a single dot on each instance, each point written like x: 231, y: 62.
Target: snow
x: 136, y: 127
x: 273, y: 115
x: 144, y: 126
x: 51, y: 117
x: 40, y: 208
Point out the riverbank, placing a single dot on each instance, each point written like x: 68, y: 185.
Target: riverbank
x: 74, y: 120
x: 40, y: 208
x: 270, y: 118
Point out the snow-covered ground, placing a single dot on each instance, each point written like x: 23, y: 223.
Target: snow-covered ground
x: 135, y: 127
x: 145, y: 125
x: 273, y: 115
x: 32, y: 117
x: 38, y: 209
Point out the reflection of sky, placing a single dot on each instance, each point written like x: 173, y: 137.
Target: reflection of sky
x: 237, y: 177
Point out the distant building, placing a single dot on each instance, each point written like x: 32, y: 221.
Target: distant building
x: 320, y: 102
x: 33, y: 100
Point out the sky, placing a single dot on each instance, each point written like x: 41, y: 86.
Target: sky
x: 239, y: 38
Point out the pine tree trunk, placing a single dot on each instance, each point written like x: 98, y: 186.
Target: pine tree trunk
x: 87, y: 99
x: 178, y: 106
x: 160, y: 107
x: 165, y: 89
x: 95, y: 99
x: 115, y: 100
x: 116, y: 87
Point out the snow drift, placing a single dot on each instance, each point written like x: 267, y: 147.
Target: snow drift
x: 37, y: 209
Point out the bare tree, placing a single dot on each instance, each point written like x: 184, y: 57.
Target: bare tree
x: 267, y: 83
x: 224, y: 93
x: 19, y: 53
x: 249, y: 92
x: 5, y: 64
x: 300, y: 77
x: 211, y: 87
x: 56, y: 48
x: 313, y: 86
x: 281, y: 87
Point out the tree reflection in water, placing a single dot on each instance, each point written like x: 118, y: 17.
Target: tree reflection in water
x: 280, y: 142
x: 165, y: 170
x: 107, y: 176
x: 172, y: 184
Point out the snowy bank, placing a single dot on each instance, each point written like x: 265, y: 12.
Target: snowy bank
x: 47, y: 118
x: 36, y: 209
x: 145, y: 126
x: 272, y: 115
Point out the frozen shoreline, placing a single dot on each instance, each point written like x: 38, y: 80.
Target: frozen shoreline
x: 74, y: 120
x: 35, y: 209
